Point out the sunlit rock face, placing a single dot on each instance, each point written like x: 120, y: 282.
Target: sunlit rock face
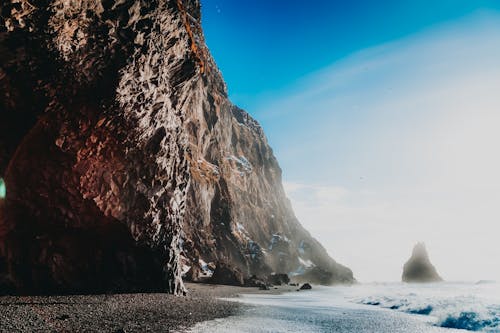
x: 419, y: 268
x: 126, y: 165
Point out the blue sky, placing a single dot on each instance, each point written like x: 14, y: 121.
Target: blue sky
x: 384, y: 117
x: 262, y: 46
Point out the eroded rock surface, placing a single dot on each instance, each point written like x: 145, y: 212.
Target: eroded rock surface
x: 125, y: 164
x: 419, y: 267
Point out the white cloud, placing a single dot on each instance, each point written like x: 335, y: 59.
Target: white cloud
x: 399, y: 144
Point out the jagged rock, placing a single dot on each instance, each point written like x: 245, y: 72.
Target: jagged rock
x: 419, y: 268
x: 278, y: 279
x: 305, y: 286
x: 194, y: 274
x: 254, y: 281
x: 122, y: 154
x: 224, y: 273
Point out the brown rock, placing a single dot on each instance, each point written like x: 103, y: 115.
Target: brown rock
x: 226, y: 274
x: 123, y: 156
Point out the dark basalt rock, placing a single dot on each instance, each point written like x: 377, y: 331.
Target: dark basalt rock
x: 224, y: 273
x: 305, y: 286
x: 419, y: 268
x: 124, y: 160
x: 254, y: 281
x: 278, y: 279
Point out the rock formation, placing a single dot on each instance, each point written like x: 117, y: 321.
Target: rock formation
x: 278, y: 279
x: 125, y: 164
x: 305, y: 286
x: 419, y: 268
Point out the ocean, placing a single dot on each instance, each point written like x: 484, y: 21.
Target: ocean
x: 375, y: 307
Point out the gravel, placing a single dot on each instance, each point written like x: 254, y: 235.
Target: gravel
x: 119, y: 312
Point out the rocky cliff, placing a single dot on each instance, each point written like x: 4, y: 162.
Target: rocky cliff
x: 126, y: 166
x: 419, y: 267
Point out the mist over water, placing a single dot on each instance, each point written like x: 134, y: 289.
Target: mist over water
x: 377, y: 307
x: 398, y: 147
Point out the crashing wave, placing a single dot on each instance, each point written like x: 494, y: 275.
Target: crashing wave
x: 466, y: 312
x: 472, y: 321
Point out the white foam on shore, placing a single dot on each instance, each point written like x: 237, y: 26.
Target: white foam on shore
x: 467, y: 306
x: 346, y: 309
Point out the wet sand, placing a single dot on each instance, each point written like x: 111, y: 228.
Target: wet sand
x: 324, y: 310
x: 121, y: 312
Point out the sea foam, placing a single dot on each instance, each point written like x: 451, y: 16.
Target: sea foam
x: 473, y: 307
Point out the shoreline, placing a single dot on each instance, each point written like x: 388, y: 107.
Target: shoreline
x: 140, y: 312
x: 213, y: 308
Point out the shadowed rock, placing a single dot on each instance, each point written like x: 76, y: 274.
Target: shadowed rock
x: 125, y: 164
x: 278, y: 279
x: 305, y: 286
x: 225, y: 274
x: 419, y: 268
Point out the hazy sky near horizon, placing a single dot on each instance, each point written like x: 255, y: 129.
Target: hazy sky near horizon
x: 385, y: 121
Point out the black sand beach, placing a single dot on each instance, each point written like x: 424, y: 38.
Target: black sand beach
x: 117, y: 313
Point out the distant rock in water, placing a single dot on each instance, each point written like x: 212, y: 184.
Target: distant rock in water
x: 486, y: 282
x: 419, y: 268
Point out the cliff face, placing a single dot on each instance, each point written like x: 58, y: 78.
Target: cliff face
x: 419, y: 268
x: 125, y: 164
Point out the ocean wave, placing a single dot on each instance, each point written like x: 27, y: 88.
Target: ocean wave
x: 471, y: 321
x: 466, y: 312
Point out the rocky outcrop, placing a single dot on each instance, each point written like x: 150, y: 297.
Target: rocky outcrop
x: 419, y: 268
x: 278, y: 279
x: 224, y: 273
x: 254, y: 281
x: 305, y: 286
x: 125, y: 164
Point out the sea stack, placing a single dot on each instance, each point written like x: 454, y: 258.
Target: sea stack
x: 126, y: 166
x: 419, y: 268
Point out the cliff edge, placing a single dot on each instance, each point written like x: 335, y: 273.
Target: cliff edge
x: 126, y: 167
